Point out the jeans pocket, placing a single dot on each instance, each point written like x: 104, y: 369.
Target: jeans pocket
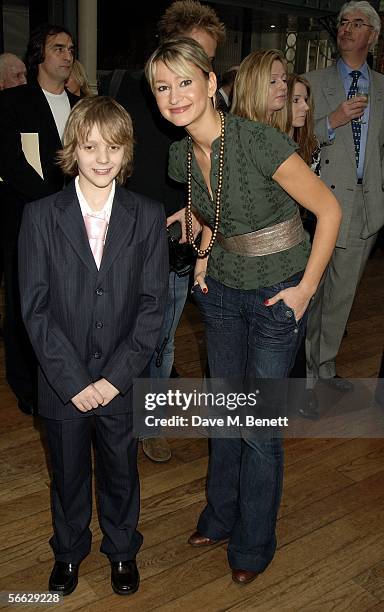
x: 284, y: 317
x: 283, y: 313
x: 196, y: 290
x: 210, y: 304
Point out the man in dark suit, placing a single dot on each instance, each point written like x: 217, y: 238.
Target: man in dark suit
x: 13, y: 73
x: 224, y: 93
x: 93, y: 297
x: 32, y: 119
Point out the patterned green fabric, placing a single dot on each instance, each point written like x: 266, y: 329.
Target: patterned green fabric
x: 250, y: 200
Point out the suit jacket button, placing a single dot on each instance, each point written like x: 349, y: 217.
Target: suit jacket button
x: 327, y: 161
x: 99, y: 324
x: 99, y: 291
x: 333, y: 187
x: 96, y: 355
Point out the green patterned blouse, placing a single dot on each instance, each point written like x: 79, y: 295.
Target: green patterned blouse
x: 250, y: 200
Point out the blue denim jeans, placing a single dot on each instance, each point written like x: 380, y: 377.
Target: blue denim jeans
x: 161, y: 363
x: 246, y: 339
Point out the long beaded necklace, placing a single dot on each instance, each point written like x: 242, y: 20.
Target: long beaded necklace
x: 188, y: 212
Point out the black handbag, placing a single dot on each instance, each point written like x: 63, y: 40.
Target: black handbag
x: 182, y: 257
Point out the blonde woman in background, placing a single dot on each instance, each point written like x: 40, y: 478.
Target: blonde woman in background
x: 264, y: 73
x: 77, y: 82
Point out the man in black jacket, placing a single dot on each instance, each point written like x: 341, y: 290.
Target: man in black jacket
x: 32, y: 120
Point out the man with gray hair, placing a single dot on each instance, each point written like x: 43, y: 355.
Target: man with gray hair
x: 12, y: 71
x: 349, y: 117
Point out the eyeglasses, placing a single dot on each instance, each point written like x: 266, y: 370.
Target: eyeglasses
x: 356, y: 24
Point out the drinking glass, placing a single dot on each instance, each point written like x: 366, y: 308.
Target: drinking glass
x: 363, y: 90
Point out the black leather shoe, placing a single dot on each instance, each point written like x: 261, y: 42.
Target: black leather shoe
x: 63, y: 578
x: 125, y: 577
x: 309, y: 409
x: 338, y: 383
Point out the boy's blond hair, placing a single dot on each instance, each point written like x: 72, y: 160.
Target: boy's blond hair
x: 115, y: 127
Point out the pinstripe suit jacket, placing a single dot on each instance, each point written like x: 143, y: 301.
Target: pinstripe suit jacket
x: 85, y: 323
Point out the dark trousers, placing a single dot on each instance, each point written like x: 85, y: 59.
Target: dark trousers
x: 117, y: 486
x: 20, y: 360
x: 246, y: 340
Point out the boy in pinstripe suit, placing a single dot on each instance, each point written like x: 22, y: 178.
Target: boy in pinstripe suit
x: 93, y: 279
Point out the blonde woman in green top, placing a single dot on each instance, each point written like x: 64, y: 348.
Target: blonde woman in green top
x: 244, y: 178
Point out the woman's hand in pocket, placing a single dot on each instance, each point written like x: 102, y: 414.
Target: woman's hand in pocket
x: 296, y: 298
x: 200, y: 282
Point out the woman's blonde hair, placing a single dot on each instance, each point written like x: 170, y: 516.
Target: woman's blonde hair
x: 177, y: 54
x: 114, y: 125
x: 78, y: 73
x: 251, y: 88
x: 304, y: 136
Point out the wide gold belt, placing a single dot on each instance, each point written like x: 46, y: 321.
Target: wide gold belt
x: 266, y: 241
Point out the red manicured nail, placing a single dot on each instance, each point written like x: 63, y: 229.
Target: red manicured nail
x: 266, y: 302
x: 205, y: 290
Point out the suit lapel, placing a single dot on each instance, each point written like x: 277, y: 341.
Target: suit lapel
x: 335, y: 94
x: 71, y: 222
x: 47, y: 121
x: 72, y: 98
x: 375, y: 114
x: 44, y: 113
x: 333, y: 88
x: 120, y: 228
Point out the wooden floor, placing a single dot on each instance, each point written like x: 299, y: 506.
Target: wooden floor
x: 331, y: 521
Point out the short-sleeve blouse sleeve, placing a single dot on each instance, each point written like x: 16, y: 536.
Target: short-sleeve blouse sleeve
x: 270, y: 148
x: 177, y: 162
